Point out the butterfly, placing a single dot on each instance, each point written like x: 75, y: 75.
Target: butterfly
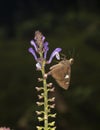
x: 61, y: 72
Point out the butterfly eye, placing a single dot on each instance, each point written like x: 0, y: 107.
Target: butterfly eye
x: 71, y: 61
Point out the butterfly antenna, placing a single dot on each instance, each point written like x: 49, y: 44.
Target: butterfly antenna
x: 63, y: 56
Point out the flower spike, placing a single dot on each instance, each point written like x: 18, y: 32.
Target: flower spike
x: 40, y: 47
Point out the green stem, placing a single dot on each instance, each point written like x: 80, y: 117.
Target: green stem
x: 45, y: 106
x: 45, y: 97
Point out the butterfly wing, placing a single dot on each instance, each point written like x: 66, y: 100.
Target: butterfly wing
x: 61, y: 73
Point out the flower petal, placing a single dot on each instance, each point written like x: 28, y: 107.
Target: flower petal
x: 32, y: 52
x: 45, y: 53
x: 38, y: 66
x: 55, y: 52
x: 34, y: 44
x: 43, y: 38
x: 45, y: 45
x: 57, y: 56
x: 45, y: 49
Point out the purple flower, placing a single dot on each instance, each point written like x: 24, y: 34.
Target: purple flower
x: 55, y: 53
x: 33, y: 53
x: 34, y: 44
x: 46, y: 48
x: 43, y: 38
x: 42, y: 48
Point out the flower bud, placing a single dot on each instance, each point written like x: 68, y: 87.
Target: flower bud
x: 39, y: 103
x: 52, y: 115
x: 52, y: 99
x: 45, y: 76
x: 51, y: 89
x: 38, y: 88
x: 40, y: 118
x: 39, y: 112
x: 40, y: 96
x: 49, y: 85
x: 52, y: 106
x: 40, y: 79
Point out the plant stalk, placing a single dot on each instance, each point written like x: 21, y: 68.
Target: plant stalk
x: 45, y: 97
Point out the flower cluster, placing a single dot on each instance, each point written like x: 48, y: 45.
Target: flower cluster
x: 39, y: 53
x: 41, y: 47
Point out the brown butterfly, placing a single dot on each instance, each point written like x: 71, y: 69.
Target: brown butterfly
x: 61, y: 72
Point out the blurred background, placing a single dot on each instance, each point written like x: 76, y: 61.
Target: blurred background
x: 73, y: 25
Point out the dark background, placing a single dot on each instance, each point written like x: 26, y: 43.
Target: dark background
x: 73, y: 25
